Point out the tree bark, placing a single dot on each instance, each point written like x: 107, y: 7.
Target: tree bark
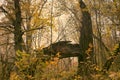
x: 29, y: 33
x: 17, y: 26
x: 85, y: 38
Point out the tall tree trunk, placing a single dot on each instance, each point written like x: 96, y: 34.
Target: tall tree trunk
x: 17, y: 26
x: 85, y: 39
x: 100, y: 56
x: 28, y: 26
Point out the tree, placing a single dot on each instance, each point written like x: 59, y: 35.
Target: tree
x: 14, y: 17
x: 17, y: 27
x: 86, y: 39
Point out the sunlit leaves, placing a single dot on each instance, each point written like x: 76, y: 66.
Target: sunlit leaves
x: 14, y: 76
x: 26, y: 65
x: 89, y: 50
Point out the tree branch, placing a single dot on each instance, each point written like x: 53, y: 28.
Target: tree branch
x: 38, y: 28
x: 7, y: 13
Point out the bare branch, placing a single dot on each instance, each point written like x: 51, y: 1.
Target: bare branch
x: 38, y: 28
x: 6, y: 13
x: 7, y: 27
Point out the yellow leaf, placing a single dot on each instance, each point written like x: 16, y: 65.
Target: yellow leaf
x: 58, y: 54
